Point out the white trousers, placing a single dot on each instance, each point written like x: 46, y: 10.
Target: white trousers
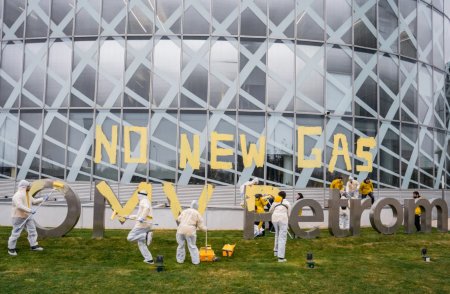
x: 280, y: 238
x: 139, y: 234
x: 192, y: 246
x: 343, y: 219
x: 30, y: 227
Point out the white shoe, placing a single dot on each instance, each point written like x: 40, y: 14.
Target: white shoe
x: 12, y: 252
x: 149, y: 261
x: 282, y: 259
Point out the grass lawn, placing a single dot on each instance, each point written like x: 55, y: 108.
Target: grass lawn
x: 371, y: 263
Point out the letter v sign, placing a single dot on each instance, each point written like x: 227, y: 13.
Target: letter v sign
x: 175, y: 206
x: 118, y: 209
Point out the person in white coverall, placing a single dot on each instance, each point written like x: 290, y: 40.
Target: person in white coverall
x: 141, y: 231
x: 280, y: 216
x: 21, y: 209
x: 344, y: 215
x: 352, y: 188
x: 189, y: 221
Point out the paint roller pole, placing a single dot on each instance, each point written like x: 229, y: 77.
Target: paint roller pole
x: 25, y: 221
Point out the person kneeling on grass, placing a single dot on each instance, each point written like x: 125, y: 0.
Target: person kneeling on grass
x: 141, y: 231
x: 189, y: 220
x: 21, y: 210
x: 280, y: 216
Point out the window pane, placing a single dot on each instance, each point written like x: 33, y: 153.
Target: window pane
x: 280, y: 75
x: 339, y: 12
x: 339, y: 79
x: 8, y: 143
x: 365, y: 23
x: 408, y: 90
x: 310, y: 20
x: 62, y: 18
x: 58, y: 73
x: 84, y: 73
x: 141, y: 16
x: 281, y: 18
x: 365, y: 83
x: 14, y: 19
x: 254, y: 18
x: 389, y: 150
x: 197, y: 16
x: 252, y: 74
x: 309, y: 77
x: 38, y: 14
x: 425, y: 94
x: 388, y: 86
x: 87, y: 17
x: 410, y: 163
x: 365, y: 128
x: 11, y: 73
x: 408, y: 28
x: 388, y: 25
x: 438, y: 40
x: 113, y: 17
x: 223, y: 73
x: 426, y: 157
x: 225, y: 17
x: 425, y: 33
x: 30, y: 139
x: 34, y: 74
x: 168, y: 16
x: 54, y: 144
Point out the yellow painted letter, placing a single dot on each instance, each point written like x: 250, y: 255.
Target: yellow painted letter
x: 187, y: 155
x: 337, y: 151
x: 110, y: 148
x: 366, y: 155
x: 216, y: 151
x: 316, y: 152
x: 253, y: 154
x: 142, y: 147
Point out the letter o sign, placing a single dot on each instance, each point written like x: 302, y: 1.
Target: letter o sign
x: 375, y: 216
x: 73, y: 208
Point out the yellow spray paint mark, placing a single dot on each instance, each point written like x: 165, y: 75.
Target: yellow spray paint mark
x: 216, y: 151
x: 316, y: 152
x: 175, y: 206
x: 253, y: 154
x: 188, y: 155
x: 366, y: 155
x: 142, y: 131
x: 340, y: 152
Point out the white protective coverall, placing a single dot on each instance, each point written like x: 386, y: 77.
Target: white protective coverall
x: 21, y: 209
x: 280, y: 216
x: 344, y: 215
x: 189, y: 221
x: 141, y: 231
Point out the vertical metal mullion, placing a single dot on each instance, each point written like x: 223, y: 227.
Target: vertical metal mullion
x: 237, y: 103
x: 324, y: 89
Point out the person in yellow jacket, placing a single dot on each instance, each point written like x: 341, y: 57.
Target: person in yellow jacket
x: 260, y: 203
x: 21, y: 209
x: 366, y: 189
x: 337, y: 183
x: 417, y: 212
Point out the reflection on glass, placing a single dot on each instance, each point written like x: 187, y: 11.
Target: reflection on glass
x: 409, y: 162
x: 425, y: 93
x: 111, y: 68
x: 339, y: 12
x: 113, y: 17
x: 280, y: 71
x: 141, y: 16
x: 365, y: 23
x: 388, y: 25
x: 11, y: 65
x: 14, y: 19
x: 223, y: 73
x: 37, y: 18
x: 137, y: 73
x: 339, y: 79
x: 365, y: 65
x: 281, y: 18
x: 168, y: 16
x: 84, y: 70
x: 309, y: 26
x: 61, y: 23
x: 8, y: 143
x: 196, y: 17
x: 79, y: 145
x: 54, y: 144
x: 426, y: 157
x: 389, y: 150
x: 166, y: 78
x: 58, y: 73
x: 252, y: 74
x: 163, y: 146
x: 30, y: 139
x: 438, y: 40
x: 408, y: 90
x: 194, y: 73
x: 408, y: 28
x: 425, y: 33
x: 388, y: 86
x: 87, y: 17
x: 34, y: 74
x: 254, y: 18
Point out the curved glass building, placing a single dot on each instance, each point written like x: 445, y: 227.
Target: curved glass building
x: 261, y: 68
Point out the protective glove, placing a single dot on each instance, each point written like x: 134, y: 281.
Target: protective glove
x: 45, y: 198
x: 33, y: 211
x: 141, y: 219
